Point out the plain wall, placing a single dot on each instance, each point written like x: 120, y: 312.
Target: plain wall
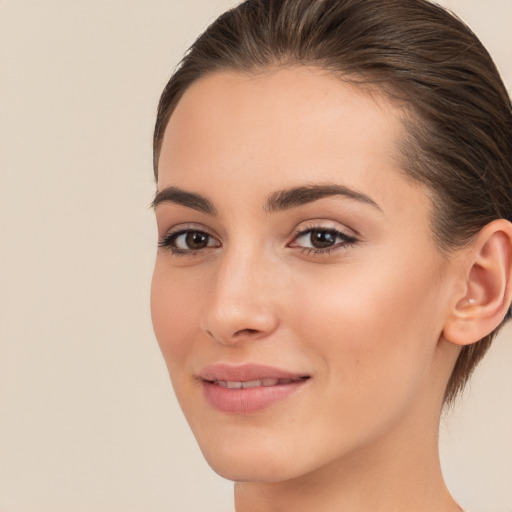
x: 88, y: 421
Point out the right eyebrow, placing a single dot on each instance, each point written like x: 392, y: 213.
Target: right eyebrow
x: 182, y: 197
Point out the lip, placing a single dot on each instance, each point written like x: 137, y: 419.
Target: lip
x: 246, y: 372
x: 251, y: 399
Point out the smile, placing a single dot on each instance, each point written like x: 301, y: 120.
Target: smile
x: 248, y: 388
x: 230, y: 384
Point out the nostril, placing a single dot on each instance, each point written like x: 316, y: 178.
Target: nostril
x: 233, y: 326
x: 245, y: 331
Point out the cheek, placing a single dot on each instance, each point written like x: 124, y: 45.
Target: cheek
x: 368, y: 325
x: 174, y: 312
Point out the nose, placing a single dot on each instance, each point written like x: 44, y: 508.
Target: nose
x: 242, y: 304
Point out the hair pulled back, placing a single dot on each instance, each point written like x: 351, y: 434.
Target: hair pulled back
x: 459, y: 127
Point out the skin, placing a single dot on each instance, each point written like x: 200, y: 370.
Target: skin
x: 365, y: 321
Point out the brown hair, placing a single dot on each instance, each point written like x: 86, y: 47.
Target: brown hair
x: 459, y: 132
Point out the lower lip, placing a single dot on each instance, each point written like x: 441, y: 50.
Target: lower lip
x: 244, y: 401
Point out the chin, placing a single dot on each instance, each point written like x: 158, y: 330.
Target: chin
x: 264, y: 471
x: 254, y: 461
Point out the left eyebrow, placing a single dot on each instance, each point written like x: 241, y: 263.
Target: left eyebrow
x: 297, y: 196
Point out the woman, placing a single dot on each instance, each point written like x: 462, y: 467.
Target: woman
x: 333, y: 202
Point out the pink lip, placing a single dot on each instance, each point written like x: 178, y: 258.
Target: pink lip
x: 244, y: 401
x: 245, y: 372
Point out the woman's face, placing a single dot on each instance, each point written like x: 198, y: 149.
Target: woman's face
x: 298, y: 297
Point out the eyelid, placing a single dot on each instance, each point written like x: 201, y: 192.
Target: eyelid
x: 326, y: 226
x: 165, y: 241
x: 188, y: 226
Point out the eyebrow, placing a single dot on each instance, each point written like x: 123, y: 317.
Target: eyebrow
x: 184, y: 198
x: 297, y: 196
x: 277, y: 201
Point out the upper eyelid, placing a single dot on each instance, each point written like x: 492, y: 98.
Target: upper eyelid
x: 188, y: 226
x: 326, y: 224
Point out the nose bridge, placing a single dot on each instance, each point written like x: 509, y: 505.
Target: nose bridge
x: 241, y: 303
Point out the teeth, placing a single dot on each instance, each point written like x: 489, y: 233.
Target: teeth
x: 251, y: 384
x: 231, y: 384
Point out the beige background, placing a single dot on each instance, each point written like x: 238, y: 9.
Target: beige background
x: 87, y: 417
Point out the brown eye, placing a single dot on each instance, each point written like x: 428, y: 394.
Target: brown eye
x: 188, y: 241
x: 196, y: 240
x: 320, y: 239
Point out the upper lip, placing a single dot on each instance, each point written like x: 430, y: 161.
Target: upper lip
x: 246, y: 372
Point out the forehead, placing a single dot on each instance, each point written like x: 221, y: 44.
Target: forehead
x: 279, y: 129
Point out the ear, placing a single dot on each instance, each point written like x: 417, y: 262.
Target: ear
x: 487, y: 286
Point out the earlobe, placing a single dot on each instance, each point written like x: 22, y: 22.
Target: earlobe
x: 487, y: 287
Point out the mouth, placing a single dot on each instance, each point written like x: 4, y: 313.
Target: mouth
x: 248, y: 388
x: 256, y: 383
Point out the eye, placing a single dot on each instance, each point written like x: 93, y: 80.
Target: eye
x: 188, y: 241
x: 321, y: 240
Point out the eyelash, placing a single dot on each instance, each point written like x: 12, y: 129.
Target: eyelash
x: 168, y: 241
x: 346, y: 240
